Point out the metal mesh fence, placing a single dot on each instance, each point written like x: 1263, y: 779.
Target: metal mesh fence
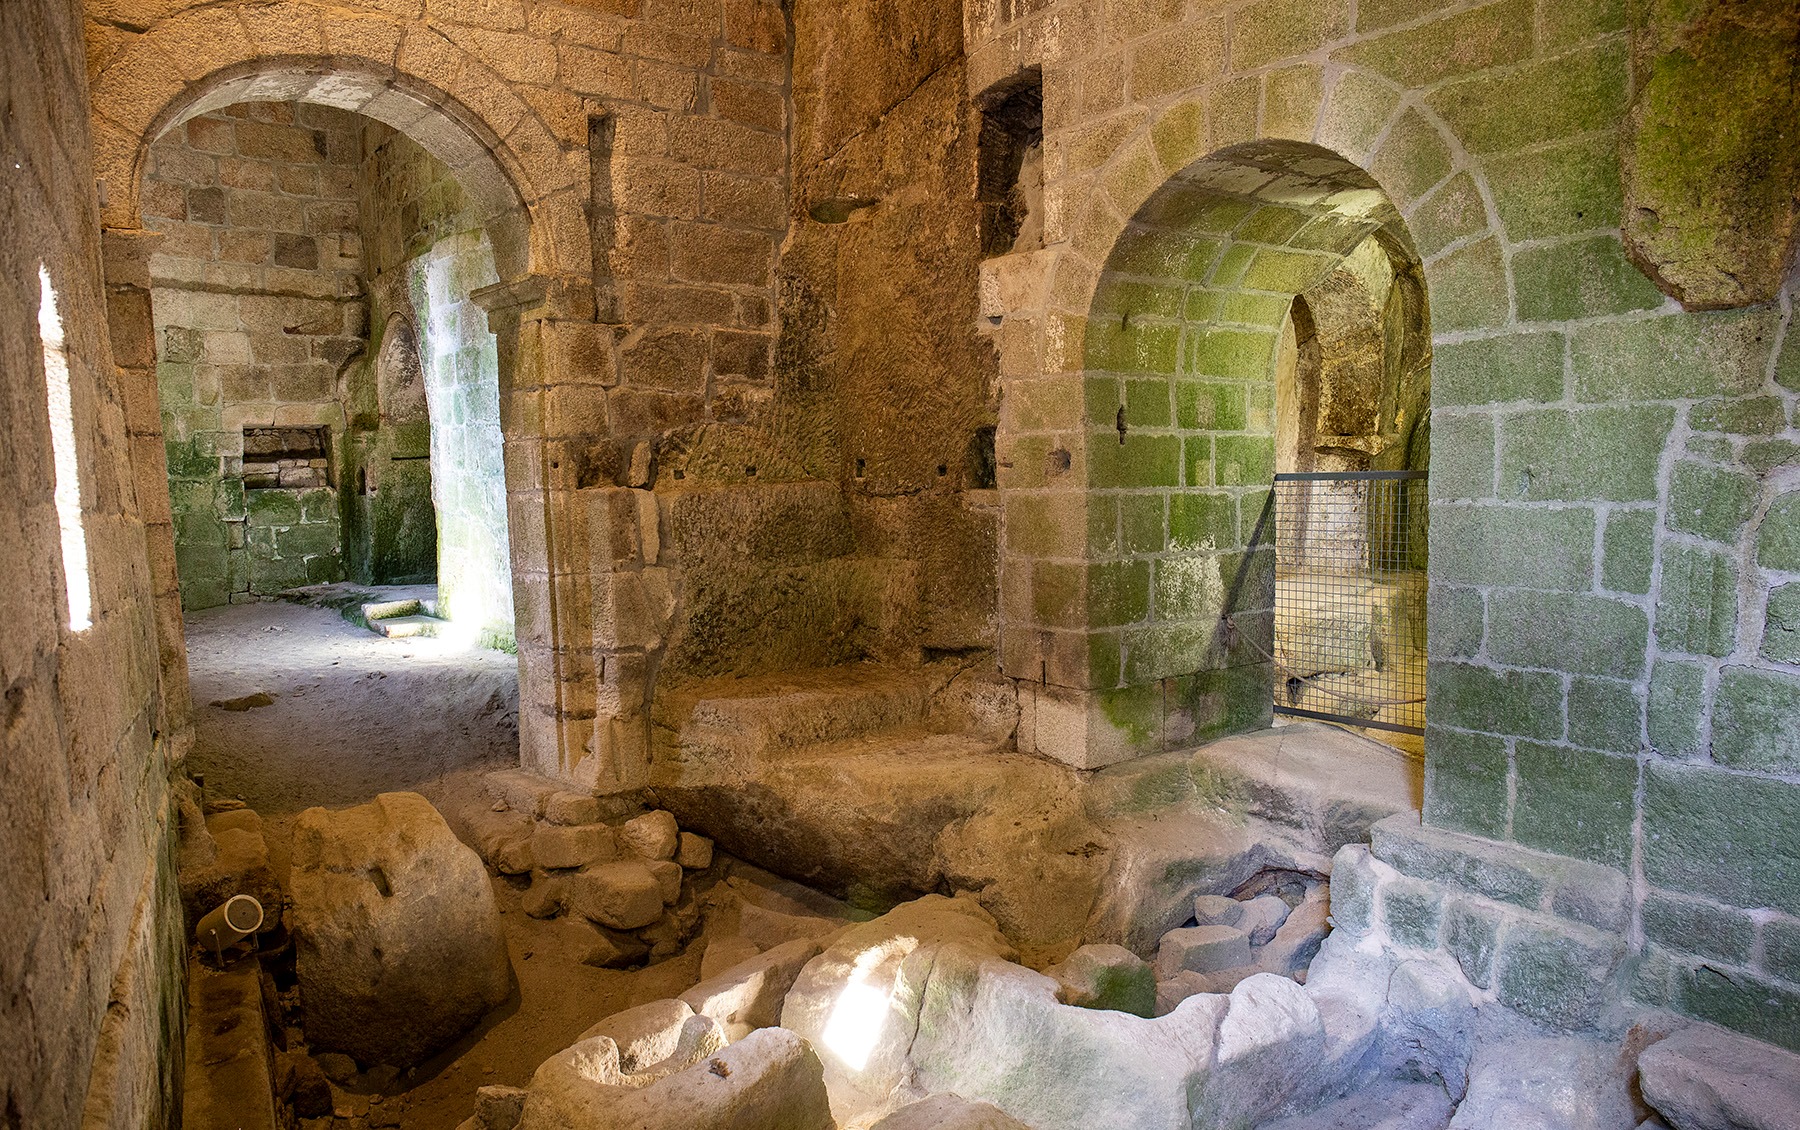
x: 1350, y: 598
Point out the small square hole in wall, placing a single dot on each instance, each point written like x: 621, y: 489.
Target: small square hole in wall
x: 287, y: 457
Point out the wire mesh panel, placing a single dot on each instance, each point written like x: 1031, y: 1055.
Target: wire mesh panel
x: 1350, y: 598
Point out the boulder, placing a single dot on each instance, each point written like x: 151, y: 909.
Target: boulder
x: 303, y: 1084
x: 1263, y: 915
x: 948, y: 1112
x: 1704, y: 1078
x: 571, y: 808
x: 1217, y: 910
x: 556, y: 846
x: 399, y: 948
x: 643, y: 1035
x: 770, y: 1080
x: 724, y: 953
x: 694, y: 852
x: 503, y: 839
x: 750, y: 994
x: 614, y: 949
x: 1106, y: 977
x: 652, y: 835
x: 1202, y: 949
x: 224, y: 855
x: 623, y: 896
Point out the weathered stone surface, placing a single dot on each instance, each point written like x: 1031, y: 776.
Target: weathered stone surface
x: 623, y: 896
x: 1106, y: 977
x: 947, y: 1112
x: 1704, y: 1078
x: 1217, y: 910
x: 1292, y: 948
x: 725, y: 953
x: 694, y: 852
x: 399, y: 947
x: 750, y: 995
x: 1202, y: 949
x: 652, y: 835
x: 643, y: 1035
x: 1385, y: 1106
x: 546, y: 898
x: 668, y: 879
x: 498, y: 1108
x: 1556, y: 1084
x: 555, y: 846
x: 503, y: 839
x: 1702, y: 157
x: 767, y: 1081
x: 571, y: 808
x: 1262, y: 916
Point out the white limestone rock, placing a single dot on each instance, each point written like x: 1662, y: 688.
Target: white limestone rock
x: 643, y: 1035
x: 1705, y: 1078
x: 398, y: 939
x: 1106, y: 977
x: 623, y: 896
x: 1294, y: 945
x: 770, y: 1080
x: 1202, y: 949
x: 750, y: 995
x: 653, y: 835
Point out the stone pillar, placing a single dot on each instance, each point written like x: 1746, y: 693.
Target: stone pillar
x: 583, y: 686
x: 126, y: 263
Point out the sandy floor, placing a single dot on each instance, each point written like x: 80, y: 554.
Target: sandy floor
x: 353, y: 714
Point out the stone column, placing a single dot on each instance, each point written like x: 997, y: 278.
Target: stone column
x: 126, y: 263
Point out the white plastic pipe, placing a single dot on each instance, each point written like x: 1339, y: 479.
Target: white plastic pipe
x: 239, y: 917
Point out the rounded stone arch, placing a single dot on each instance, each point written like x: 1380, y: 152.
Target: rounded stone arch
x: 408, y: 76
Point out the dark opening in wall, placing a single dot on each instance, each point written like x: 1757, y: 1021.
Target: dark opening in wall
x: 1009, y: 183
x: 982, y: 468
x: 287, y: 457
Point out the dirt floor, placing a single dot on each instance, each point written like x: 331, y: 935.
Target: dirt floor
x: 350, y: 714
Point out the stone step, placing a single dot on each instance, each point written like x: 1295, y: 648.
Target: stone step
x: 391, y: 609
x: 406, y: 627
x: 764, y: 715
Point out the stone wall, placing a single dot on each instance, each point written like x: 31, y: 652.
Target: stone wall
x: 259, y: 302
x: 91, y: 940
x: 427, y: 254
x: 1612, y: 475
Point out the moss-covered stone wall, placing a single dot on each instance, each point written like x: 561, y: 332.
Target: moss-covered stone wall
x: 258, y: 303
x: 1612, y: 474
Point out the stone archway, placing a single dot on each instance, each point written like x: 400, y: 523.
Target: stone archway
x: 417, y: 81
x: 1131, y: 565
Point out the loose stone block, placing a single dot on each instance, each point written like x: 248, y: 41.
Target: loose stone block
x: 1202, y: 949
x: 653, y: 835
x: 571, y: 808
x: 1217, y: 910
x: 1262, y: 917
x: 694, y: 852
x: 1705, y: 1079
x: 623, y: 896
x: 554, y: 846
